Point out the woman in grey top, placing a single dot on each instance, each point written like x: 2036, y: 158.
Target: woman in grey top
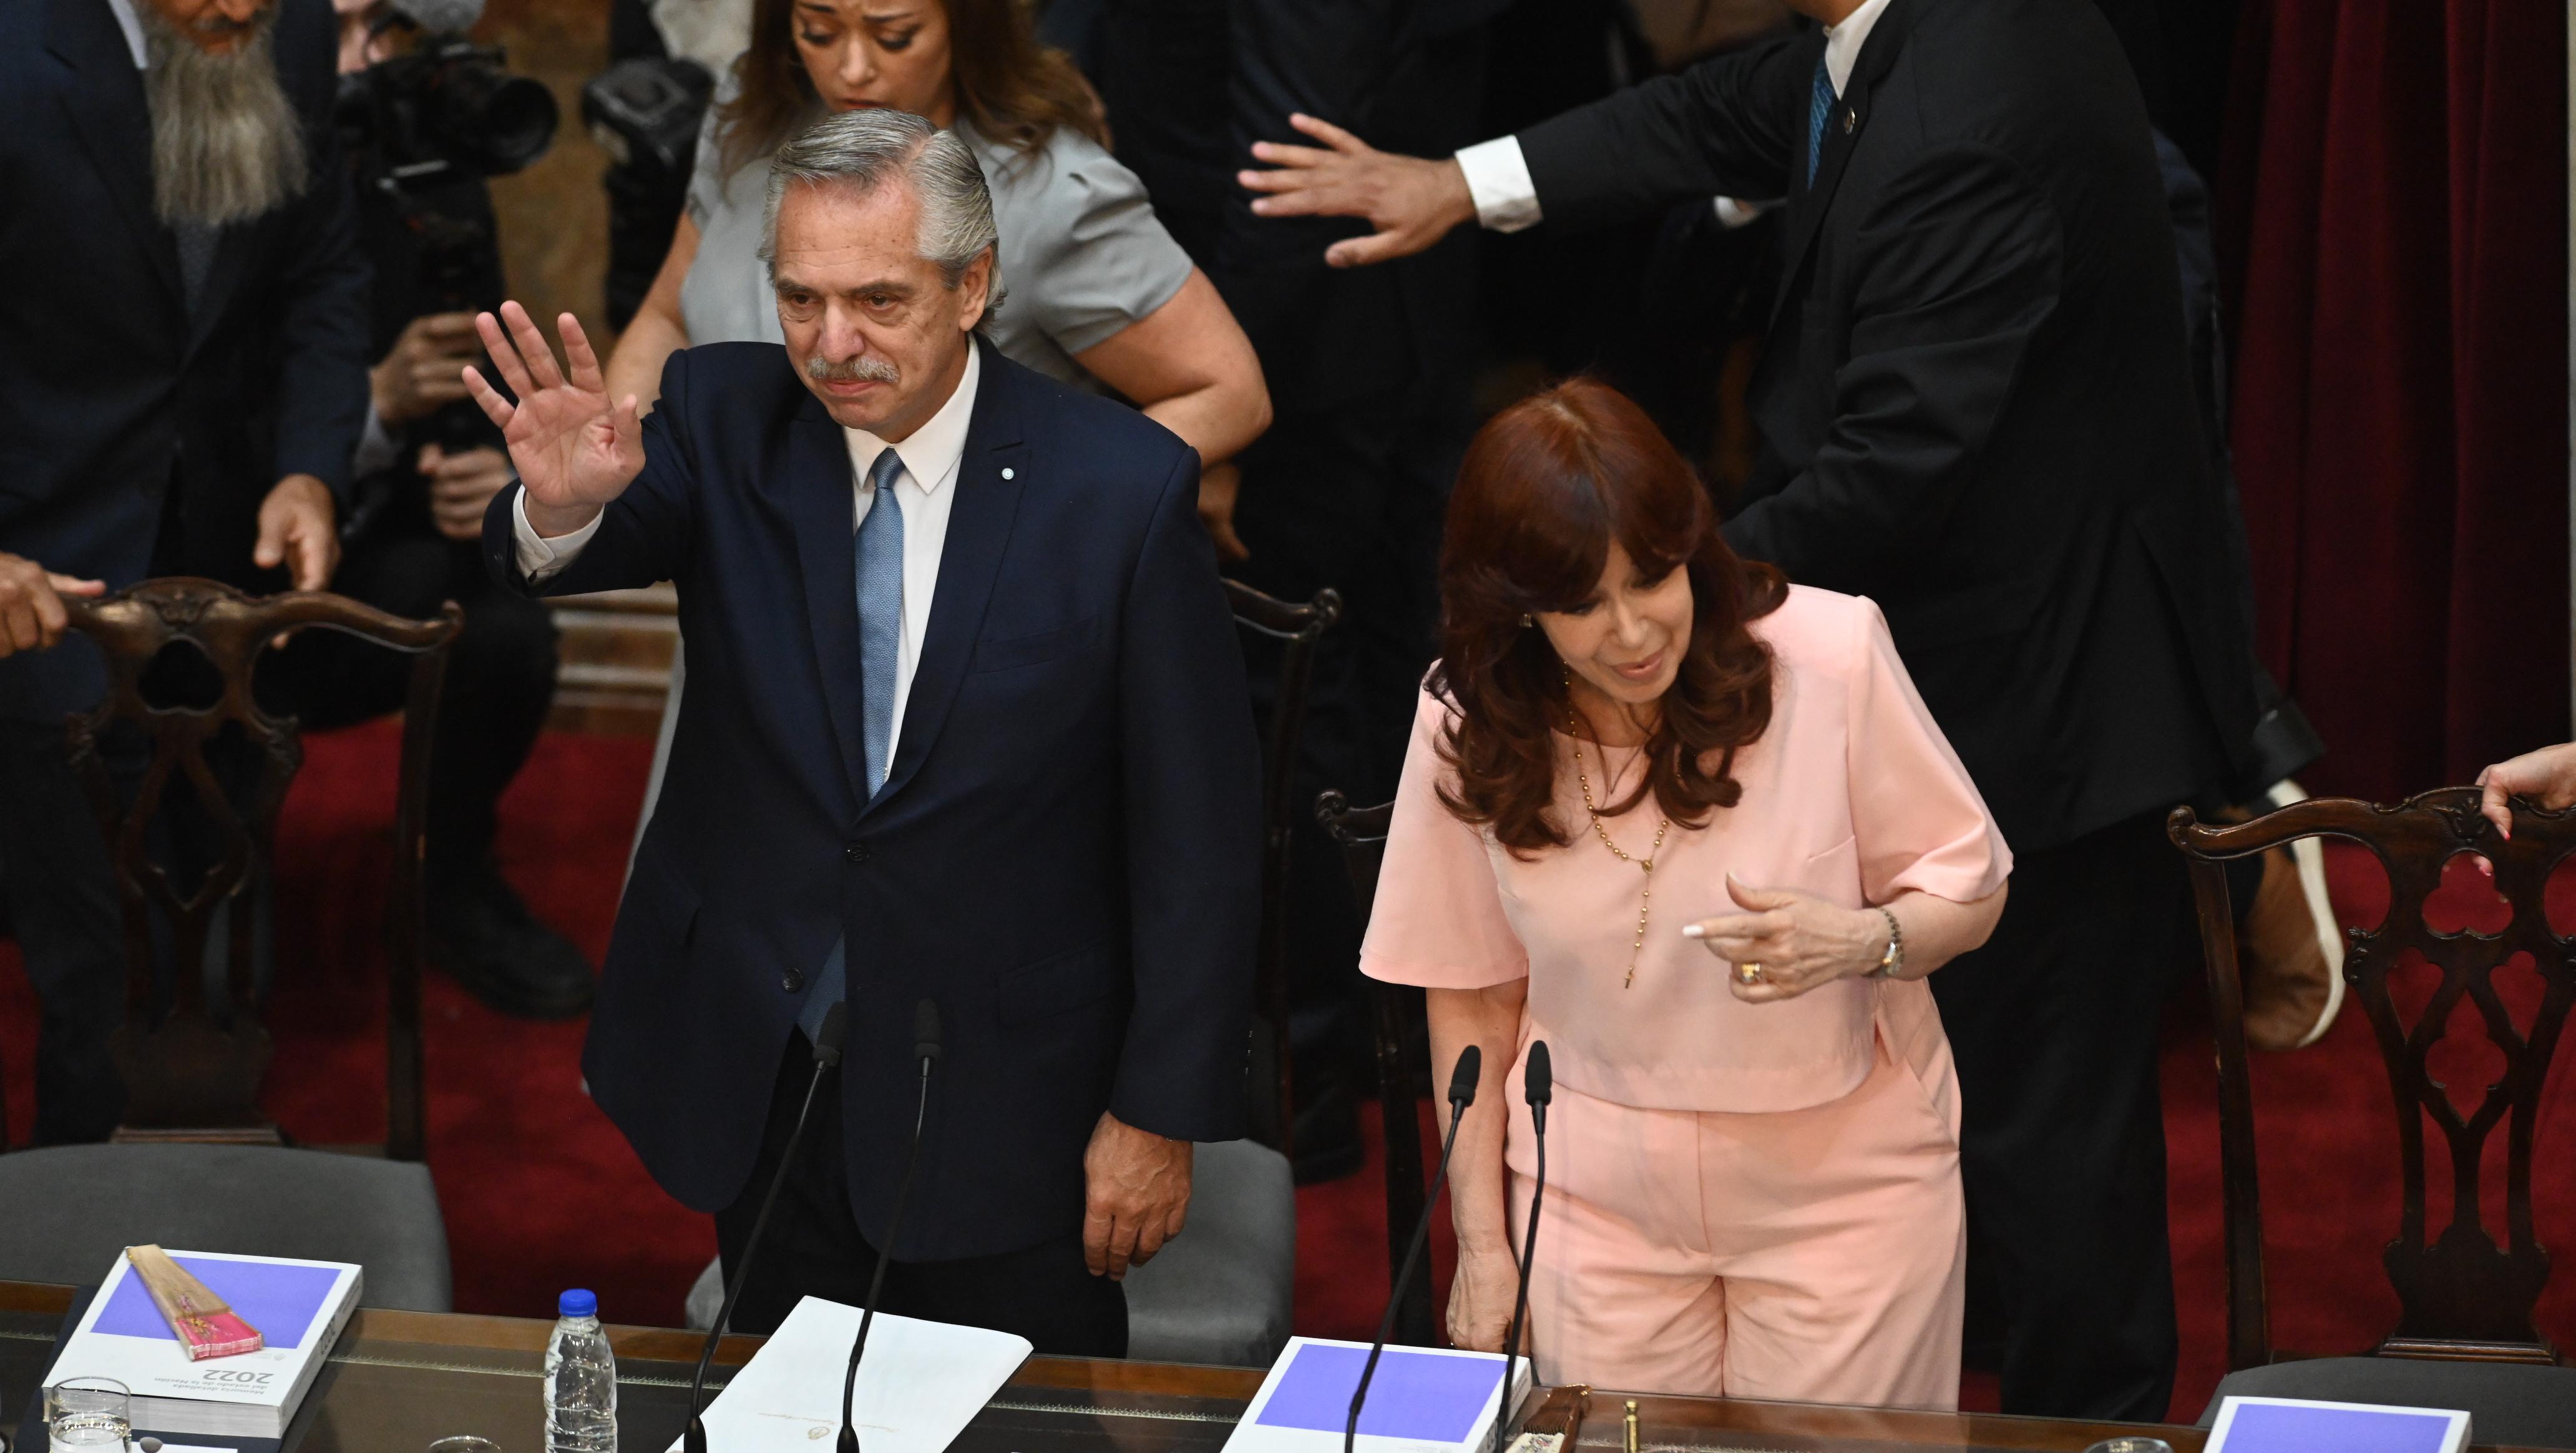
x: 1097, y: 293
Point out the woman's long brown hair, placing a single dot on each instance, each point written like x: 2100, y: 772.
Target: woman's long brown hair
x: 1544, y: 489
x: 1015, y: 90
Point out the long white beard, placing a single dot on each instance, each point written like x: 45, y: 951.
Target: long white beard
x: 226, y: 145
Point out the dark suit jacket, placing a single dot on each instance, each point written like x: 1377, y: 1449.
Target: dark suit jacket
x: 1409, y: 76
x: 1976, y: 404
x: 111, y: 393
x: 1065, y: 854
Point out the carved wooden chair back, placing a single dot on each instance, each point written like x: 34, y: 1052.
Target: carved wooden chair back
x: 1403, y: 1046
x: 192, y: 1068
x: 1298, y: 628
x: 2460, y: 1294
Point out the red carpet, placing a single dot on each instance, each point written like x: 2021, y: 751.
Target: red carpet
x: 541, y: 1193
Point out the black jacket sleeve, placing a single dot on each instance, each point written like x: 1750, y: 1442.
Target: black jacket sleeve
x: 1192, y: 774
x: 1960, y: 263
x: 322, y: 289
x: 1723, y: 127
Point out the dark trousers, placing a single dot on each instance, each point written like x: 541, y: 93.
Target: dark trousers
x: 61, y: 892
x: 500, y: 677
x: 2054, y: 1025
x: 814, y: 1247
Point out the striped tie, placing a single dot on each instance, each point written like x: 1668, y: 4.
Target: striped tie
x: 1819, y: 102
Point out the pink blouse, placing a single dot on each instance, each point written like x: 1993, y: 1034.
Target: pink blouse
x: 1851, y: 794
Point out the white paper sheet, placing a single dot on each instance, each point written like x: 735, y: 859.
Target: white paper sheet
x: 919, y: 1386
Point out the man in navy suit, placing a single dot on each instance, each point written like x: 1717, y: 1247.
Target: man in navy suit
x: 987, y: 746
x: 182, y: 378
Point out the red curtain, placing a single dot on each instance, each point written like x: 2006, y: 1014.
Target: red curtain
x: 2395, y: 206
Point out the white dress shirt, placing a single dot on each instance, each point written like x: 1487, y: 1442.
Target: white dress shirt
x: 925, y: 488
x: 1498, y: 176
x: 129, y: 21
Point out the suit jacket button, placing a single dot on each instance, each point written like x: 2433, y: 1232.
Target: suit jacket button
x: 791, y: 981
x: 855, y: 854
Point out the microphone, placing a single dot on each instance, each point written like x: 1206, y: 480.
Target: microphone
x: 1538, y: 1087
x: 1462, y: 1093
x: 925, y: 1048
x: 827, y: 1053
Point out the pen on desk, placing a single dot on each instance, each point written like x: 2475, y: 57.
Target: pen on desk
x: 1629, y: 1426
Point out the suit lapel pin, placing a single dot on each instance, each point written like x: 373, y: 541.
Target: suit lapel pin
x: 1851, y: 118
x: 1006, y: 474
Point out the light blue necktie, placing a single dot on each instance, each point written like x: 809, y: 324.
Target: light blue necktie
x: 880, y: 597
x: 1819, y: 103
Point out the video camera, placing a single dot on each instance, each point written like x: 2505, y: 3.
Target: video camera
x: 446, y: 106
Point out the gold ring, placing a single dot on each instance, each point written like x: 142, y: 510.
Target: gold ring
x: 1748, y: 973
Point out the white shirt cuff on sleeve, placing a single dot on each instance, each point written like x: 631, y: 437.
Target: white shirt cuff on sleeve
x: 1498, y: 179
x: 1735, y: 212
x: 539, y: 557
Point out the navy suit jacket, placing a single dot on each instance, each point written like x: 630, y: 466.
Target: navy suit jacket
x: 112, y: 392
x: 1065, y: 854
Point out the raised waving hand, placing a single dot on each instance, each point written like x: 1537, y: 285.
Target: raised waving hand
x: 574, y: 450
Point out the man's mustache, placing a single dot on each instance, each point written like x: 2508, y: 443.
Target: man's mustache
x: 856, y: 370
x: 215, y: 22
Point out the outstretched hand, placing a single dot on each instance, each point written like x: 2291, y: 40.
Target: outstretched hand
x: 574, y: 450
x: 1410, y: 201
x: 2547, y: 777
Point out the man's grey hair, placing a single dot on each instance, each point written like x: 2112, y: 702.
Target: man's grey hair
x: 864, y: 150
x: 226, y: 144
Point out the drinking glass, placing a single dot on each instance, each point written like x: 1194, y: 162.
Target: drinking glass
x: 89, y: 1412
x: 464, y: 1443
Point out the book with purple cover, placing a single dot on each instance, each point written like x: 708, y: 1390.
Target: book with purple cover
x: 2294, y: 1425
x: 1422, y: 1400
x: 299, y: 1307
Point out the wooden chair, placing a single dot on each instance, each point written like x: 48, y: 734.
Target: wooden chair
x: 2464, y: 1335
x: 1299, y: 628
x: 1225, y: 1292
x: 195, y: 1161
x: 1403, y: 1047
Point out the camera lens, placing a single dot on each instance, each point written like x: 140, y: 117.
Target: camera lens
x: 507, y: 121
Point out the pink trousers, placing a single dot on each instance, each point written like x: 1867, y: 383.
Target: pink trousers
x: 1812, y: 1255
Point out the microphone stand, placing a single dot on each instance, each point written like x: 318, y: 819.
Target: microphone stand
x: 1538, y: 1088
x: 827, y: 1053
x: 1462, y: 1093
x: 925, y: 1034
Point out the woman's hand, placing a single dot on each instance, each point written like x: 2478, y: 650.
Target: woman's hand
x: 1481, y: 1296
x: 2547, y: 777
x: 1801, y: 941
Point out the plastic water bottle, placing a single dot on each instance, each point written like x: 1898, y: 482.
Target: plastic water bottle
x: 581, y: 1380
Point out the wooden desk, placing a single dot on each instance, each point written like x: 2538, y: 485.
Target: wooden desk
x: 400, y: 1379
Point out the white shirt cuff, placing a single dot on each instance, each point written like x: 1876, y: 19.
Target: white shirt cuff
x: 539, y: 557
x: 1498, y: 180
x: 376, y: 447
x: 1734, y: 212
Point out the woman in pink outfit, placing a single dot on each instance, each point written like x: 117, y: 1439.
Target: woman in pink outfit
x: 1691, y: 826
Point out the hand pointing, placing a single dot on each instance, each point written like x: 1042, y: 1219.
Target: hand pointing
x: 574, y: 451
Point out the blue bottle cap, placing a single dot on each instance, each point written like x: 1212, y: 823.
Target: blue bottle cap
x: 577, y: 1303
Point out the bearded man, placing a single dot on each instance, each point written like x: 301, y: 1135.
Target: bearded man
x: 183, y: 376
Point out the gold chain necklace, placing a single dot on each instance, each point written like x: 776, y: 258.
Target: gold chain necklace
x: 1645, y: 864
